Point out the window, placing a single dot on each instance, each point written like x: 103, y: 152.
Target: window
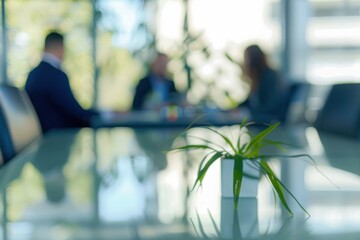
x: 333, y: 38
x: 28, y: 22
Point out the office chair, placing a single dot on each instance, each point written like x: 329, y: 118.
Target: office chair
x: 19, y: 124
x: 341, y: 111
x: 295, y: 103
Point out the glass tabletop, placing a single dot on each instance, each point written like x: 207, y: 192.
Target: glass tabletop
x: 123, y: 183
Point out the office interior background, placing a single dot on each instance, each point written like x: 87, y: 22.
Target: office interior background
x: 109, y: 44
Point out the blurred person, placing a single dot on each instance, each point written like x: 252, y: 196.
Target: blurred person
x: 155, y: 89
x: 267, y: 91
x: 51, y: 167
x: 49, y: 90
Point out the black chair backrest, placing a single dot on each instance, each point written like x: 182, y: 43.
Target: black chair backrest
x: 1, y: 158
x: 19, y: 123
x: 295, y: 102
x: 341, y: 111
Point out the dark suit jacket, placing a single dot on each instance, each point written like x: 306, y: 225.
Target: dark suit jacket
x: 49, y: 91
x: 144, y: 88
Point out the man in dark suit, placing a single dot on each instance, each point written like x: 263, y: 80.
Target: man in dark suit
x: 49, y: 90
x: 154, y: 90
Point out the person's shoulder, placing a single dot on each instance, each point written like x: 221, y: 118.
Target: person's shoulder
x: 46, y: 71
x: 46, y: 67
x: 54, y: 70
x: 145, y: 80
x: 271, y: 75
x: 271, y: 72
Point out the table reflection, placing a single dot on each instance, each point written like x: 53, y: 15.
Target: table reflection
x: 139, y: 175
x: 130, y: 187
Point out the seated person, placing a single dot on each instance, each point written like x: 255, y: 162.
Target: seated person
x: 155, y: 89
x: 49, y: 90
x: 266, y: 98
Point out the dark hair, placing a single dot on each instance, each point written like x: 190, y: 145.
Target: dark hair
x: 257, y: 58
x: 53, y: 39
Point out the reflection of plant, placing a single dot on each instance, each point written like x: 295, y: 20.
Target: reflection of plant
x: 246, y: 147
x: 202, y: 233
x: 236, y: 226
x: 286, y: 230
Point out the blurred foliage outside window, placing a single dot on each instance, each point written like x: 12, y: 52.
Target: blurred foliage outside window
x: 198, y: 35
x: 28, y: 22
x: 206, y: 40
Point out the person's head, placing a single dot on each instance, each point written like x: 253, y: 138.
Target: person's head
x: 54, y: 44
x: 159, y: 65
x: 254, y: 59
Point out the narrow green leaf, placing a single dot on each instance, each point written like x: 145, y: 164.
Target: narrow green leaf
x: 282, y: 156
x: 243, y: 122
x: 292, y: 195
x: 251, y: 164
x: 272, y: 189
x: 250, y: 176
x: 227, y: 140
x: 288, y: 191
x: 280, y: 143
x: 256, y: 141
x: 238, y: 143
x: 312, y: 161
x: 193, y: 146
x: 201, y: 166
x: 276, y: 185
x: 237, y: 178
x: 209, y: 142
x: 242, y: 125
x: 202, y: 172
x: 203, y: 160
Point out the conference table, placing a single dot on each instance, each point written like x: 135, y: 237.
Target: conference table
x: 166, y: 119
x: 123, y: 183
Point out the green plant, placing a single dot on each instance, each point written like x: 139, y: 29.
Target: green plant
x: 241, y: 149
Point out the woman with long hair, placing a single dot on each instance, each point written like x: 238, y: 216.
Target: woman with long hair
x: 265, y: 101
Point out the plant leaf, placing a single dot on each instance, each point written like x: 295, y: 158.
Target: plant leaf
x: 242, y: 125
x: 227, y: 140
x: 288, y: 191
x: 254, y: 165
x: 204, y: 159
x: 277, y: 144
x: 275, y: 183
x: 292, y: 195
x: 202, y: 172
x: 208, y: 142
x: 237, y: 178
x: 255, y: 144
x: 194, y: 146
x: 280, y: 143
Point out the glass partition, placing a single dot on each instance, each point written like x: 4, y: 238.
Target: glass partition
x: 199, y: 36
x: 28, y: 22
x: 333, y: 38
